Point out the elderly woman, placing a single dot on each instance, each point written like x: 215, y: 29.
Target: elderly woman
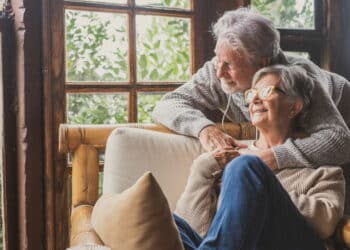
x: 292, y: 208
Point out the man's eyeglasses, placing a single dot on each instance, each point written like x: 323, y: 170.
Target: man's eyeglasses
x: 263, y: 93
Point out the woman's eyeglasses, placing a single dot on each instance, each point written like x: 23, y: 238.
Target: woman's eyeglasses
x: 263, y: 93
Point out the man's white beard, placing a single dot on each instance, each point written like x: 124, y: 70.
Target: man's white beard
x: 227, y: 86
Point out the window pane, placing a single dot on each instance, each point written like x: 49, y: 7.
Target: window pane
x: 305, y: 55
x: 97, y: 108
x: 163, y: 48
x: 292, y: 14
x: 96, y: 46
x: 183, y: 4
x: 100, y: 183
x: 145, y: 105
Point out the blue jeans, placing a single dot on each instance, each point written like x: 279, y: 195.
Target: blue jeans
x: 255, y: 213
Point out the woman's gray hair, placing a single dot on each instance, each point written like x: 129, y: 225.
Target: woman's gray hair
x: 246, y: 29
x: 294, y: 81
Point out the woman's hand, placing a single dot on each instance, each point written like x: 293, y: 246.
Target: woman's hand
x: 224, y: 155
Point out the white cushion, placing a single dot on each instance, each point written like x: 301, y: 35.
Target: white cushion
x: 131, y: 152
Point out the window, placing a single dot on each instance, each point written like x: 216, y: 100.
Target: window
x: 300, y: 23
x: 122, y: 56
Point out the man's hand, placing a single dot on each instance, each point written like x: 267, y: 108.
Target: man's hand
x: 212, y: 138
x: 224, y: 155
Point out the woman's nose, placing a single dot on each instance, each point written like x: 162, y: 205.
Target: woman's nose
x: 256, y: 98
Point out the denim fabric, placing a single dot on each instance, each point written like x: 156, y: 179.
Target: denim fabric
x: 255, y: 213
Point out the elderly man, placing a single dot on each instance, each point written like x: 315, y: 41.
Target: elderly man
x: 246, y: 42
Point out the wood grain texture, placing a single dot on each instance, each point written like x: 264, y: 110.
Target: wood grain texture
x: 82, y: 231
x: 71, y: 136
x: 85, y: 169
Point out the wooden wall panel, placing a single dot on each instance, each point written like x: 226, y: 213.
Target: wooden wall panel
x: 8, y: 101
x: 30, y: 137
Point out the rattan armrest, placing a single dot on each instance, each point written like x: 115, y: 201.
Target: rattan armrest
x: 82, y: 231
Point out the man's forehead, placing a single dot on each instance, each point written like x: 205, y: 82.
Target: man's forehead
x: 225, y: 51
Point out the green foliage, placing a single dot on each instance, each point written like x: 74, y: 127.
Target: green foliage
x: 96, y: 46
x: 163, y: 49
x: 287, y: 13
x: 145, y: 105
x: 183, y: 4
x: 97, y: 108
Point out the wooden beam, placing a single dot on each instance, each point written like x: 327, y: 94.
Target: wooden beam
x: 30, y: 135
x: 57, y: 203
x: 8, y: 133
x: 72, y: 136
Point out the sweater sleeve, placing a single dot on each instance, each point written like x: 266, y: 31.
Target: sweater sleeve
x: 329, y: 139
x: 323, y: 204
x: 186, y: 109
x: 198, y: 198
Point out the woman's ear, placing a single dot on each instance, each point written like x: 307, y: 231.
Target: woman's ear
x: 296, y: 108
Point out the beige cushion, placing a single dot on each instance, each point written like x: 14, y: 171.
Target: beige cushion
x: 137, y: 219
x: 130, y: 152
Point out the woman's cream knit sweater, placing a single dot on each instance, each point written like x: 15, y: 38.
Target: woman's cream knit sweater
x: 317, y: 193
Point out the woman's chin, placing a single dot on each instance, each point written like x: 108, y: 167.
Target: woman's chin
x: 258, y: 121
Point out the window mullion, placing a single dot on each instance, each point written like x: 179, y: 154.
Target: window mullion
x: 132, y: 111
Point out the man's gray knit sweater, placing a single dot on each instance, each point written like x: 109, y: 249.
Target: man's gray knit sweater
x: 186, y: 111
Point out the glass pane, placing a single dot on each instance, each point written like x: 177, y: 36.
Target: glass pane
x: 108, y: 1
x: 96, y: 46
x: 163, y: 48
x: 305, y: 55
x: 145, y: 105
x: 183, y: 4
x: 100, y: 183
x: 97, y: 108
x: 291, y: 14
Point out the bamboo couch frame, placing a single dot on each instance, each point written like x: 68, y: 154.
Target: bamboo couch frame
x: 86, y: 141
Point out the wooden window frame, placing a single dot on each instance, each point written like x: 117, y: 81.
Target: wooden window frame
x: 132, y: 86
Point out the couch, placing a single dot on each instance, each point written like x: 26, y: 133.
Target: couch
x: 131, y: 152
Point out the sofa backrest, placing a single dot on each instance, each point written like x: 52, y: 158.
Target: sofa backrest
x: 130, y: 152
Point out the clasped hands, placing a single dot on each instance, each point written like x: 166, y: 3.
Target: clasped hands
x: 223, y: 147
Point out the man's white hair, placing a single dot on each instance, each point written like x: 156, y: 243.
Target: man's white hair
x: 249, y: 31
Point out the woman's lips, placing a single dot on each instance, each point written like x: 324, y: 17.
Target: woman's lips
x: 259, y: 111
